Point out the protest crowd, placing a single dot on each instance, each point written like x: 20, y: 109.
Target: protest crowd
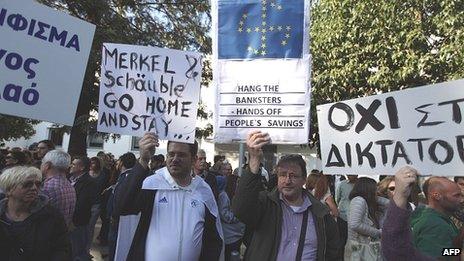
x: 181, y: 207
x: 391, y: 185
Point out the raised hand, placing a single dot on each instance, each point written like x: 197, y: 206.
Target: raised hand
x: 404, y: 179
x: 255, y: 142
x: 147, y: 147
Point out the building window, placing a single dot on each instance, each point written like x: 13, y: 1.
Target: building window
x: 95, y: 141
x: 135, y: 143
x: 56, y: 136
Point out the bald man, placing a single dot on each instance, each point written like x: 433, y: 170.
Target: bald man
x: 432, y: 227
x: 200, y: 169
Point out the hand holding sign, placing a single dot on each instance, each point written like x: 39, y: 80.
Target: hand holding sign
x: 255, y: 142
x: 404, y: 179
x: 147, y: 146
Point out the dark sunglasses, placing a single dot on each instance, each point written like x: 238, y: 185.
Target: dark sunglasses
x: 29, y: 184
x: 291, y: 156
x: 391, y: 188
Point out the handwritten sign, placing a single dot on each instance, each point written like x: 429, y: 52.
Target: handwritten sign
x: 43, y: 56
x: 380, y: 134
x: 261, y: 70
x: 149, y: 89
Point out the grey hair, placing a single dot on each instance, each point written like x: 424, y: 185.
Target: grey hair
x: 14, y: 176
x: 58, y: 158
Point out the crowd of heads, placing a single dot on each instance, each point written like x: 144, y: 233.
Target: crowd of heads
x: 45, y: 158
x: 32, y: 156
x: 23, y: 171
x: 290, y: 170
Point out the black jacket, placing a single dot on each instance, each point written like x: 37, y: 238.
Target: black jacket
x: 86, y: 194
x: 102, y: 182
x: 210, y: 179
x: 261, y: 212
x: 132, y: 199
x: 45, y: 237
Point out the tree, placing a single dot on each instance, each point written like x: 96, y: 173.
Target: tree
x: 171, y: 24
x: 13, y: 128
x: 363, y: 48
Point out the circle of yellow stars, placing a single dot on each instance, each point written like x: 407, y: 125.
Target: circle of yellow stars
x: 264, y: 27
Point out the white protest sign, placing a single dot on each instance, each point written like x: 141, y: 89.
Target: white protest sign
x: 262, y: 70
x: 149, y: 89
x: 278, y: 106
x: 43, y: 57
x: 380, y: 134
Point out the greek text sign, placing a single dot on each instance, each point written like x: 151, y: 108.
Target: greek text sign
x: 379, y: 134
x: 43, y: 56
x: 149, y: 89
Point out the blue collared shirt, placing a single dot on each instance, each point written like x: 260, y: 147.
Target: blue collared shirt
x: 292, y: 219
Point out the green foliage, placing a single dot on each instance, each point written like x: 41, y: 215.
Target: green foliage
x: 359, y: 48
x: 13, y: 128
x: 183, y: 25
x: 368, y: 47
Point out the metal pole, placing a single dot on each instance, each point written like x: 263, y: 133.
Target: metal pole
x: 241, y: 152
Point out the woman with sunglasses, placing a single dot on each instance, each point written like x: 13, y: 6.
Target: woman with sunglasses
x: 386, y: 189
x: 30, y: 229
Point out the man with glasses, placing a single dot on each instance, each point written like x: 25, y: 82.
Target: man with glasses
x: 43, y: 147
x: 179, y: 218
x: 288, y: 223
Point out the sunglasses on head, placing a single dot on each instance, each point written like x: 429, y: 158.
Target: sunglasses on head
x: 291, y: 156
x: 29, y: 184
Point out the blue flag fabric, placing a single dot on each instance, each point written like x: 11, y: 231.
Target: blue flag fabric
x: 252, y: 29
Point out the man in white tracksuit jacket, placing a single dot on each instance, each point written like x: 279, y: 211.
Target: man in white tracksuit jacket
x: 179, y: 216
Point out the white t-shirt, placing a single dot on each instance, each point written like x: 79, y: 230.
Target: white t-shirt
x: 264, y: 173
x: 126, y: 231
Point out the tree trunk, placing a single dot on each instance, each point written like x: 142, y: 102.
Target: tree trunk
x: 78, y: 138
x: 79, y: 132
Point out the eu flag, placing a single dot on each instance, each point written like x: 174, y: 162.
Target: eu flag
x: 252, y: 29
